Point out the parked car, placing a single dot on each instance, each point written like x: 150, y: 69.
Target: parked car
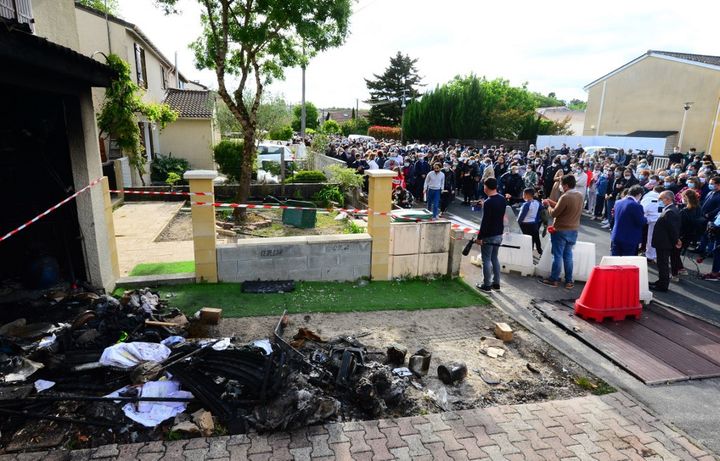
x: 360, y: 137
x: 269, y: 152
x: 594, y: 150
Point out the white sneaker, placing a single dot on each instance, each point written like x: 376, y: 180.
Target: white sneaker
x: 604, y: 221
x: 606, y: 226
x: 674, y: 279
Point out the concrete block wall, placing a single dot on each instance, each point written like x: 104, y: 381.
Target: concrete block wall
x: 343, y: 257
x: 420, y: 249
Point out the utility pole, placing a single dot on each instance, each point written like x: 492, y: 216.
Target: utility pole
x: 402, y: 116
x: 302, y: 102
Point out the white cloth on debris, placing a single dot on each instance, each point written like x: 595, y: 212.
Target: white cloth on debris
x: 127, y: 355
x: 150, y: 414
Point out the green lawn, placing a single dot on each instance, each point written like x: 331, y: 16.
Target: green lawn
x: 324, y: 297
x: 163, y: 268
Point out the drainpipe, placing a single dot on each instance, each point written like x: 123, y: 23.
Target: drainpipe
x: 602, y: 106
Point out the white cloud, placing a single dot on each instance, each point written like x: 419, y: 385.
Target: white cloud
x: 557, y: 45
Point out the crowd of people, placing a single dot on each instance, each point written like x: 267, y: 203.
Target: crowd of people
x: 662, y: 212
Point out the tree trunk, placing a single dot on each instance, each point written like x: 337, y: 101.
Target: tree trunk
x: 246, y: 167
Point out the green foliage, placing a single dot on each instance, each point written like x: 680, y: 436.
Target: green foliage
x: 387, y: 90
x: 228, y: 154
x: 471, y: 108
x: 310, y: 131
x: 328, y: 194
x: 118, y: 115
x: 355, y: 126
x: 283, y: 133
x: 319, y: 146
x: 308, y: 176
x: 352, y: 228
x: 273, y: 114
x: 330, y: 127
x: 164, y: 165
x: 172, y: 178
x: 577, y: 104
x: 346, y: 178
x: 547, y: 101
x: 106, y: 6
x: 311, y: 116
x: 249, y: 44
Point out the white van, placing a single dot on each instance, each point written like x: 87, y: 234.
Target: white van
x: 269, y: 152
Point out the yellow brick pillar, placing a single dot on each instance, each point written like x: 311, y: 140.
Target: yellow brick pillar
x: 110, y: 223
x: 203, y: 224
x: 380, y: 200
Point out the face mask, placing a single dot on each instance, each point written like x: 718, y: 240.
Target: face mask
x: 668, y: 185
x: 691, y: 185
x: 691, y: 173
x: 618, y: 173
x: 643, y: 165
x: 537, y: 163
x: 627, y: 176
x: 563, y: 162
x: 677, y: 170
x: 702, y: 180
x: 642, y: 176
x: 407, y: 164
x: 712, y: 186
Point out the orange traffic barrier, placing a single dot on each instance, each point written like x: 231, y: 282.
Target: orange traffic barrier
x: 611, y: 291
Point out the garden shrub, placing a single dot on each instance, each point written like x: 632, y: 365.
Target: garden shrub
x: 228, y: 154
x: 345, y: 177
x: 328, y: 194
x: 163, y: 165
x: 384, y: 132
x: 283, y: 133
x: 356, y: 126
x: 330, y: 127
x: 308, y: 176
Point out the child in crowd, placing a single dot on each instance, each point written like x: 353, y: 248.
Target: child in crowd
x: 529, y: 218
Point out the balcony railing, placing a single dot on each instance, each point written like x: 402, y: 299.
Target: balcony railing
x: 19, y: 11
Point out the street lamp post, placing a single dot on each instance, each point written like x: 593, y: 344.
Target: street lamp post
x: 686, y: 108
x: 402, y: 115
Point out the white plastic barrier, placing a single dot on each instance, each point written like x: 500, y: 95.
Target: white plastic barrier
x: 518, y: 260
x: 641, y: 262
x: 583, y: 262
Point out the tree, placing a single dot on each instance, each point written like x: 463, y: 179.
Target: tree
x: 273, y: 114
x: 548, y: 101
x: 312, y: 116
x: 577, y: 104
x: 330, y: 127
x: 387, y: 91
x: 106, y: 6
x: 249, y: 43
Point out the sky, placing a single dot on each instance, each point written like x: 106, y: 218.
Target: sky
x: 554, y: 45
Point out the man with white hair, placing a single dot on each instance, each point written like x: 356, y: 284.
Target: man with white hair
x: 666, y: 236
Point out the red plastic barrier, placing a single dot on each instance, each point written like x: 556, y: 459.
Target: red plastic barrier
x: 611, y: 291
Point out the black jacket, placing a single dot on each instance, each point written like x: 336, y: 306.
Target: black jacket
x: 667, y: 229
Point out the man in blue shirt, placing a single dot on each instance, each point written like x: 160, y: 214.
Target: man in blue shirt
x: 490, y: 235
x: 629, y: 222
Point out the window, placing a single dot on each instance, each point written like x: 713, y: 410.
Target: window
x: 140, y: 70
x: 164, y: 78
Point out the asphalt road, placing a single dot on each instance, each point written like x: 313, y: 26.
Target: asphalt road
x: 690, y: 406
x: 692, y: 294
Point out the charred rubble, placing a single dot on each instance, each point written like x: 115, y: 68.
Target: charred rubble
x: 86, y: 369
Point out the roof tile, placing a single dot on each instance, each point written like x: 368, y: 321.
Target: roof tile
x: 190, y: 103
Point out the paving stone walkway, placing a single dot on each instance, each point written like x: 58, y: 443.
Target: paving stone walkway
x: 611, y: 427
x: 137, y: 225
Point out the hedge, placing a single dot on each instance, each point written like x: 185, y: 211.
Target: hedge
x: 384, y: 132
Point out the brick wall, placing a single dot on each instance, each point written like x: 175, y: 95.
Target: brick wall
x: 343, y: 257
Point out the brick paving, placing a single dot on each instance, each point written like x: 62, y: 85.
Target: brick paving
x: 611, y: 427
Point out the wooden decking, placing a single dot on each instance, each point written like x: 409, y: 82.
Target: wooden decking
x: 663, y: 346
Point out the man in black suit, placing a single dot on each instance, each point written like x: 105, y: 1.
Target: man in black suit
x: 666, y: 236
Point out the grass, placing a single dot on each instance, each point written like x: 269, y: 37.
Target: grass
x: 163, y: 268
x: 324, y: 297
x: 599, y: 387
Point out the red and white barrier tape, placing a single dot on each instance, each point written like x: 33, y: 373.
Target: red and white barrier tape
x: 49, y: 210
x: 143, y: 192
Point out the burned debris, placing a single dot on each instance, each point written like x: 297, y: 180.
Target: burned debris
x: 106, y: 370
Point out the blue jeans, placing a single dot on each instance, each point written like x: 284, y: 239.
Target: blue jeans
x: 562, y: 251
x: 716, y: 257
x: 609, y: 205
x: 491, y: 264
x: 433, y: 201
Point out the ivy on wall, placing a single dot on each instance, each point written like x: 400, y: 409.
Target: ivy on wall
x: 118, y: 115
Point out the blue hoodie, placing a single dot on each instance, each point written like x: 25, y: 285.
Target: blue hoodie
x: 602, y: 185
